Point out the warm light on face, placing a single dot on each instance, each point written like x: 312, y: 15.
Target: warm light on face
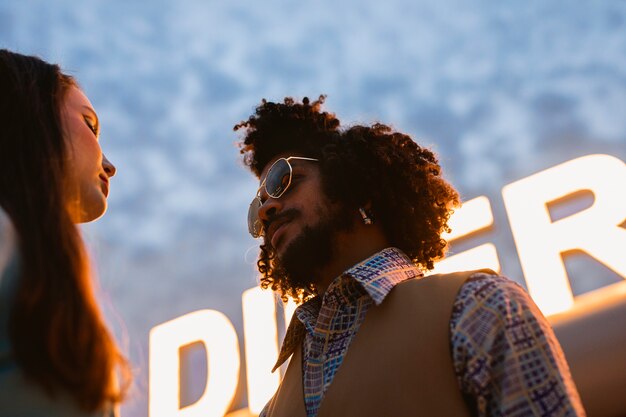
x: 595, y: 230
x: 216, y: 332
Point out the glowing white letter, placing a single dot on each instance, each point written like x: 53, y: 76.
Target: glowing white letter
x: 472, y: 216
x: 540, y: 242
x: 217, y: 334
x: 259, y: 327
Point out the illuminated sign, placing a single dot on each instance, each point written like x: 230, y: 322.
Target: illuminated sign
x: 595, y: 230
x: 540, y: 243
x: 216, y: 332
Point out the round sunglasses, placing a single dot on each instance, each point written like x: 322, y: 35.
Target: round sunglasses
x: 276, y: 183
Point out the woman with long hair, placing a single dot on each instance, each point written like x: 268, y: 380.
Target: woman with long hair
x: 57, y: 358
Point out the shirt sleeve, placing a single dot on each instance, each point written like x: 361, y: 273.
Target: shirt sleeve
x: 507, y: 359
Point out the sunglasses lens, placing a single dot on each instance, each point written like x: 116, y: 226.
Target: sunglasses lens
x: 255, y: 226
x: 278, y: 178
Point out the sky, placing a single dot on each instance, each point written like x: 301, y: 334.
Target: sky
x: 500, y: 90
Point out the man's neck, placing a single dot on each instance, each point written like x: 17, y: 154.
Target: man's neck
x: 351, y: 248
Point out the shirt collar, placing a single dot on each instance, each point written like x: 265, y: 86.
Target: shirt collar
x: 377, y: 275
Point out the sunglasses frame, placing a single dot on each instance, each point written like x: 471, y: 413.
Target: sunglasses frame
x: 255, y: 226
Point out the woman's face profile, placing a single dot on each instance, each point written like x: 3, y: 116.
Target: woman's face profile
x: 87, y: 170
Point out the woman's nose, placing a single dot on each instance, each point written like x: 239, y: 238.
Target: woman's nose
x: 109, y: 168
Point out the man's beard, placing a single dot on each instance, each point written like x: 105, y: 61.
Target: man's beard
x: 314, y: 248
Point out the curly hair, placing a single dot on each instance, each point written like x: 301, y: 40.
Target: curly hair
x: 401, y: 180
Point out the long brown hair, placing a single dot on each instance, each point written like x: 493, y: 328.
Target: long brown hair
x: 57, y: 333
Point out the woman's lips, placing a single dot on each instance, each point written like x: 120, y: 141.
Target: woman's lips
x: 105, y: 186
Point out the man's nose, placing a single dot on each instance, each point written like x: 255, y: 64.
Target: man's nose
x: 109, y: 168
x: 270, y: 208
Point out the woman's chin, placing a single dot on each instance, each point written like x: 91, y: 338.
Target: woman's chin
x: 90, y: 213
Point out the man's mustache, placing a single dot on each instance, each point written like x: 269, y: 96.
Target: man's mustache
x: 285, y: 216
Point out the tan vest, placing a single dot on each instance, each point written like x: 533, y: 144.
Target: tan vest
x: 399, y: 363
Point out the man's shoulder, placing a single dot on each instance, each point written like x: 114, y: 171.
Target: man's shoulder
x: 481, y: 283
x: 432, y: 292
x: 461, y: 291
x: 444, y: 282
x: 490, y: 290
x: 495, y: 297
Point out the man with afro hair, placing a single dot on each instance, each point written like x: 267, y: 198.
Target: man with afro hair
x: 351, y: 218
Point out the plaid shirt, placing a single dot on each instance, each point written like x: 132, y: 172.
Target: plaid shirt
x: 505, y: 355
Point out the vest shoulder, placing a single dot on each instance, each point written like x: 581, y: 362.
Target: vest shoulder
x: 466, y: 274
x: 418, y: 293
x: 440, y: 281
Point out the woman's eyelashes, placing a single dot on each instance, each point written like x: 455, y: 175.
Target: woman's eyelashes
x: 92, y: 126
